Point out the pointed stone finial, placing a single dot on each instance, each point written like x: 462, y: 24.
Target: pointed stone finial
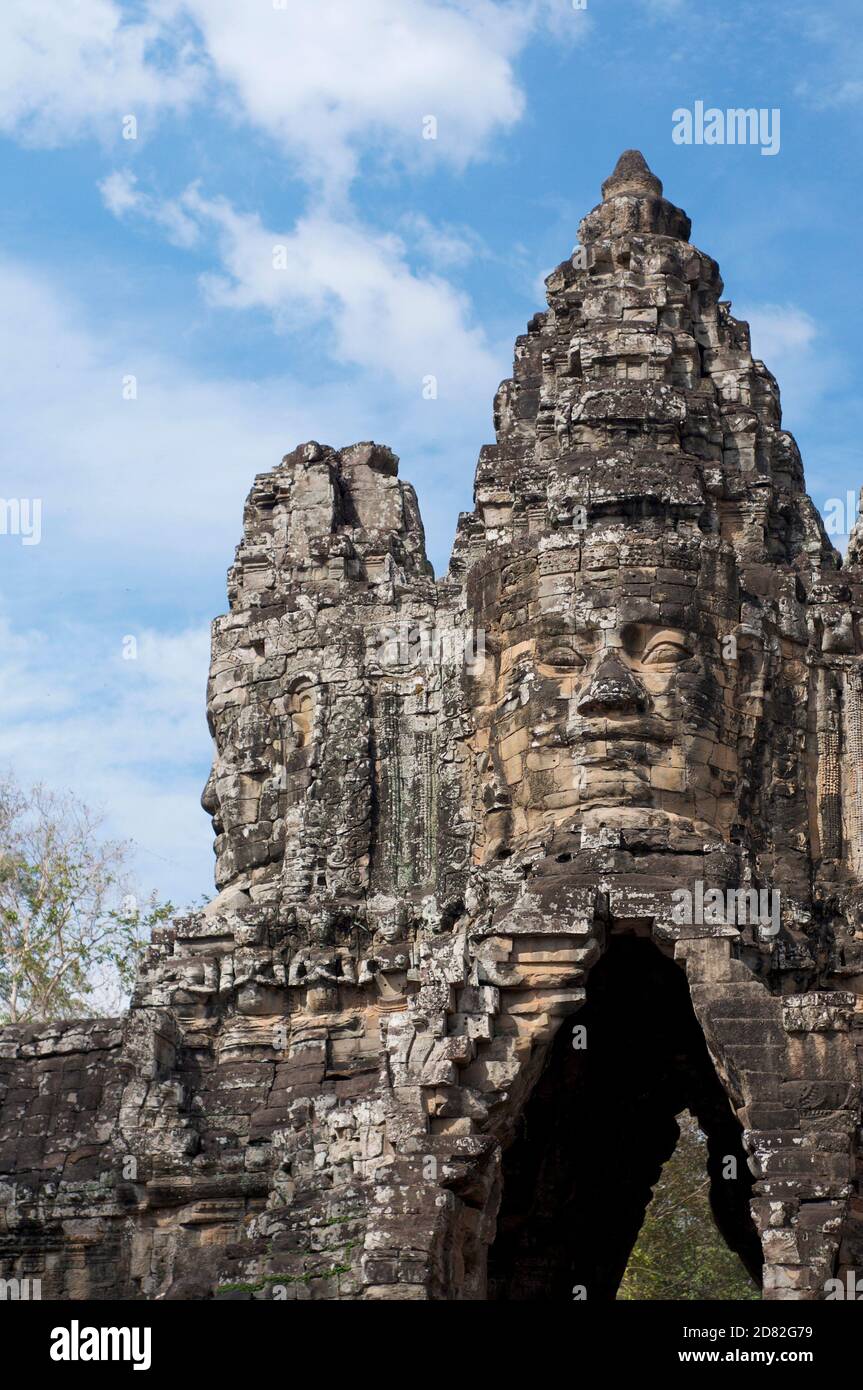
x: 632, y: 201
x: 631, y: 176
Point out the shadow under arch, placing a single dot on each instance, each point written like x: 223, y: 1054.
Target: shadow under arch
x: 599, y: 1125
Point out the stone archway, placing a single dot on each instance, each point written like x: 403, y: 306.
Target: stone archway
x: 598, y: 1127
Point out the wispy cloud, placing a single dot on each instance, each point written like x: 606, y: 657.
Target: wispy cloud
x: 69, y: 71
x: 780, y: 331
x: 380, y: 314
x: 367, y: 74
x: 787, y: 340
x: 831, y: 47
x: 142, y: 502
x: 122, y: 197
x: 151, y: 486
x: 326, y: 80
x: 441, y: 244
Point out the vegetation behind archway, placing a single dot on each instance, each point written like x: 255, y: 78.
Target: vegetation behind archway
x: 680, y: 1253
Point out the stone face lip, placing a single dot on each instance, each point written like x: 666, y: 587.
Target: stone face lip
x: 632, y: 176
x: 608, y: 768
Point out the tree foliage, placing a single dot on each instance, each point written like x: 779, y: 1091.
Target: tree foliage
x: 680, y: 1253
x: 71, y: 932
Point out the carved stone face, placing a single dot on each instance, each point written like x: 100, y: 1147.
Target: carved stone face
x: 263, y: 753
x: 242, y: 791
x: 612, y: 691
x: 388, y: 918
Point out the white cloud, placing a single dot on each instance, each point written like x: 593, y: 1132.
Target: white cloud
x: 326, y: 80
x: 142, y: 508
x: 69, y: 70
x: 148, y: 492
x: 324, y: 77
x: 119, y: 193
x: 441, y: 244
x: 780, y: 331
x: 92, y: 714
x: 135, y: 503
x: 142, y: 498
x: 380, y: 314
x: 121, y: 196
x: 122, y: 477
x: 787, y: 340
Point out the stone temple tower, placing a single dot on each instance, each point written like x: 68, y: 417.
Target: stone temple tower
x: 513, y: 866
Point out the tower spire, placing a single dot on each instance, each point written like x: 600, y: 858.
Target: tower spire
x: 632, y: 175
x: 632, y: 201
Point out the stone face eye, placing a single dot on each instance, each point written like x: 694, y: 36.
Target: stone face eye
x: 566, y: 658
x: 665, y: 653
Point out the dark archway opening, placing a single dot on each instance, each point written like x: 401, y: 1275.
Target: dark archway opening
x: 600, y: 1124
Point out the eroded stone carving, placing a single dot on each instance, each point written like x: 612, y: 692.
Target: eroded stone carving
x: 430, y: 868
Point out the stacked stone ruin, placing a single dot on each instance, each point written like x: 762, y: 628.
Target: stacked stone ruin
x: 430, y: 1038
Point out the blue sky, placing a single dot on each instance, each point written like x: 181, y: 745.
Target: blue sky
x: 300, y: 125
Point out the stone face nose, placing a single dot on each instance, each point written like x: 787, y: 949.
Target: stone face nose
x: 210, y: 803
x: 614, y: 689
x: 208, y: 796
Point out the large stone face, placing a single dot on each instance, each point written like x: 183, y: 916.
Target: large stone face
x: 430, y: 1037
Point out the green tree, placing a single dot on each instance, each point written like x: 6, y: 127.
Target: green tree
x: 679, y: 1253
x: 71, y: 931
